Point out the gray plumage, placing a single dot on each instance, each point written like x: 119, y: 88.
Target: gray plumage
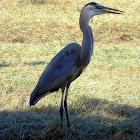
x: 56, y: 73
x: 69, y: 63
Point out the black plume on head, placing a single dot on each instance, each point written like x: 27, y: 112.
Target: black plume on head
x: 90, y: 3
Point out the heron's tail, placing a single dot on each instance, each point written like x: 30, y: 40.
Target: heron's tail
x: 33, y: 97
x: 36, y: 96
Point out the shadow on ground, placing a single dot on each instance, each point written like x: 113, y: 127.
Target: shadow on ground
x: 4, y: 64
x: 35, y: 63
x: 95, y: 119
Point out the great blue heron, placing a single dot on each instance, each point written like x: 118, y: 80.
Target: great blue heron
x: 70, y: 62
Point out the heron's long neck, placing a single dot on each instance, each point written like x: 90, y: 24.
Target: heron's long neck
x: 87, y: 44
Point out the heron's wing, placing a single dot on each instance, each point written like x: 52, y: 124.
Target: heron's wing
x: 59, y: 69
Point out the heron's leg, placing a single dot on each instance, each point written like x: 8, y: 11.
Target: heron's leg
x: 61, y: 107
x: 65, y: 106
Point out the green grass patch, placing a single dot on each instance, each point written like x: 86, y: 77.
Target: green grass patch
x: 103, y: 103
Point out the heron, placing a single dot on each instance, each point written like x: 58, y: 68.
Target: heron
x: 71, y: 61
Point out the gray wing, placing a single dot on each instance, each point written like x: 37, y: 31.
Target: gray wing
x: 59, y: 69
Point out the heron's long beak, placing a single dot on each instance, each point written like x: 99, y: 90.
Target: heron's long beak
x: 110, y: 10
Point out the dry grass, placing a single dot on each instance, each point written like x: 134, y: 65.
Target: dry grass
x: 103, y: 103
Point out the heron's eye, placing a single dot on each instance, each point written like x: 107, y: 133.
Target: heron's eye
x: 99, y: 7
x: 96, y: 6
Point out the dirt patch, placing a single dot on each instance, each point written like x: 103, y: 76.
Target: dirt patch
x: 126, y: 37
x: 18, y: 40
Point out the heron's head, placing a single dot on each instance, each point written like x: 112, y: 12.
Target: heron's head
x: 91, y: 9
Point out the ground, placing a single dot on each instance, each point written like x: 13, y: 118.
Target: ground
x: 103, y: 103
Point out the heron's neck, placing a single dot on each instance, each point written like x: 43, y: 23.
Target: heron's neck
x: 87, y: 44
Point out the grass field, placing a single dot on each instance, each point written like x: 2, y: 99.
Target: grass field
x: 104, y: 103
